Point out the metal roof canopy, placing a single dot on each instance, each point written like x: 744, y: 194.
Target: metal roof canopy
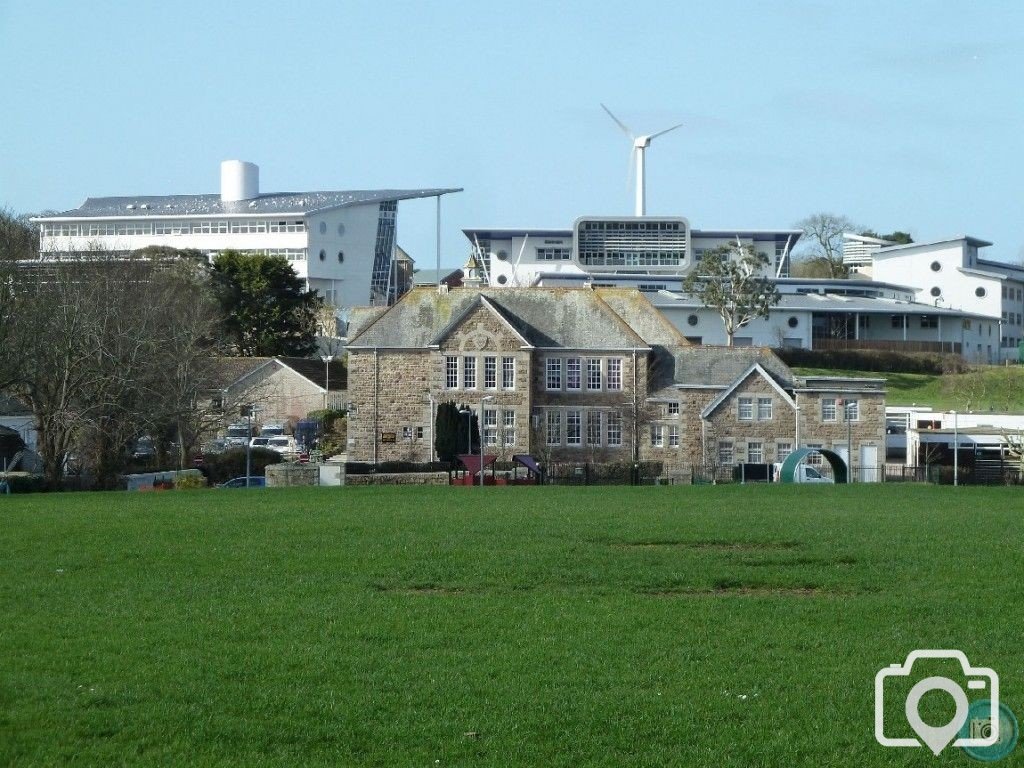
x: 839, y: 469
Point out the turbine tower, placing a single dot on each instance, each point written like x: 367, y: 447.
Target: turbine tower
x: 638, y: 160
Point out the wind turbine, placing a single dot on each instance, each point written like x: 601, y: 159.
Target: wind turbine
x: 640, y: 145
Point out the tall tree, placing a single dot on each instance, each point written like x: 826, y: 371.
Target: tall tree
x: 267, y: 310
x: 452, y: 437
x: 823, y: 242
x: 731, y: 280
x: 19, y: 237
x: 106, y: 348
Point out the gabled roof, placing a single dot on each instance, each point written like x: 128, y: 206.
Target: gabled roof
x: 315, y: 370
x: 276, y: 203
x: 481, y: 301
x: 566, y: 318
x: 635, y: 310
x: 227, y: 371
x: 709, y: 366
x: 755, y: 368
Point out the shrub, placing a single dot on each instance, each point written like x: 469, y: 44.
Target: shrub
x: 219, y: 467
x: 881, y: 361
x: 189, y: 482
x: 27, y: 483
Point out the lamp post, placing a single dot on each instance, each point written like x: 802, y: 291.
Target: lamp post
x: 956, y: 451
x: 483, y: 400
x: 327, y: 375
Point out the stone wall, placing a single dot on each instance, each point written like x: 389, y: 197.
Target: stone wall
x: 399, y: 478
x: 287, y: 475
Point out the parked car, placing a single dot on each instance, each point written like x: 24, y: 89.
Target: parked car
x: 255, y: 481
x: 144, y: 449
x: 284, y: 445
x: 272, y: 430
x: 238, y: 434
x: 259, y: 442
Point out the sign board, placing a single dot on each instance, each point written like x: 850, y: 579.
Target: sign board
x: 388, y: 437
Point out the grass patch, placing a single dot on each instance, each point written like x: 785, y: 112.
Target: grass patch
x: 988, y: 388
x: 727, y: 626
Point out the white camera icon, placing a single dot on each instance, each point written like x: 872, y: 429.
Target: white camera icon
x: 981, y: 679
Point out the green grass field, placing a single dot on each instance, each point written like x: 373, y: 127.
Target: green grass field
x: 718, y: 626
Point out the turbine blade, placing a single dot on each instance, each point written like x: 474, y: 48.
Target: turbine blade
x: 618, y: 122
x: 662, y: 133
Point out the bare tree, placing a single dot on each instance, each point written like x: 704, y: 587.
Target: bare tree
x: 106, y: 348
x: 731, y: 280
x: 823, y: 249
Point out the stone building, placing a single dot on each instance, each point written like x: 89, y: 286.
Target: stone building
x: 585, y: 375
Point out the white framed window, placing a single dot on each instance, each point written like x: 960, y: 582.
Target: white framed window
x: 469, y: 372
x: 451, y: 372
x: 725, y: 454
x: 490, y: 373
x: 755, y: 452
x: 613, y: 429
x: 851, y: 410
x: 287, y: 226
x: 745, y: 409
x: 573, y: 427
x: 407, y: 433
x: 673, y: 436
x: 593, y: 427
x: 573, y: 373
x: 553, y: 373
x: 657, y: 436
x: 171, y: 228
x: 508, y: 373
x: 553, y: 254
x: 593, y: 373
x: 615, y: 374
x: 783, y: 450
x: 814, y: 459
x: 490, y: 426
x: 672, y: 410
x: 828, y: 409
x: 764, y: 409
x: 419, y: 433
x: 508, y: 425
x: 554, y: 427
x: 102, y: 228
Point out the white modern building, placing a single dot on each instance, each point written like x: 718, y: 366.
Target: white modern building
x: 951, y: 274
x: 655, y: 255
x: 858, y: 251
x: 341, y: 242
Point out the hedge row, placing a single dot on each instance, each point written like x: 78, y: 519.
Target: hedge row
x: 879, y: 361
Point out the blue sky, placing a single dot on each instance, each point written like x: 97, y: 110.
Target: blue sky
x: 904, y: 115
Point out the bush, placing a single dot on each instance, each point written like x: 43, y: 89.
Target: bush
x: 881, y: 361
x: 27, y: 484
x: 400, y: 467
x: 189, y: 482
x: 219, y: 467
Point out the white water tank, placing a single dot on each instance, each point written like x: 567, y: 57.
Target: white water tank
x: 239, y: 180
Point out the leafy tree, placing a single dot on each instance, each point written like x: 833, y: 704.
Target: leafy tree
x: 450, y: 437
x: 730, y: 280
x: 267, y: 310
x: 897, y: 237
x: 823, y: 244
x: 169, y: 252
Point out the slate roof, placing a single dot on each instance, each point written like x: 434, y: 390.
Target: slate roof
x: 635, y: 309
x: 567, y: 318
x: 721, y: 366
x: 296, y: 203
x: 315, y: 370
x: 230, y: 370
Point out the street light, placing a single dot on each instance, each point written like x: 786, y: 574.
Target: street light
x: 327, y: 375
x: 483, y: 400
x: 956, y: 450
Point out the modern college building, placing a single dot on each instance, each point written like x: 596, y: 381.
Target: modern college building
x: 654, y: 255
x: 342, y: 242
